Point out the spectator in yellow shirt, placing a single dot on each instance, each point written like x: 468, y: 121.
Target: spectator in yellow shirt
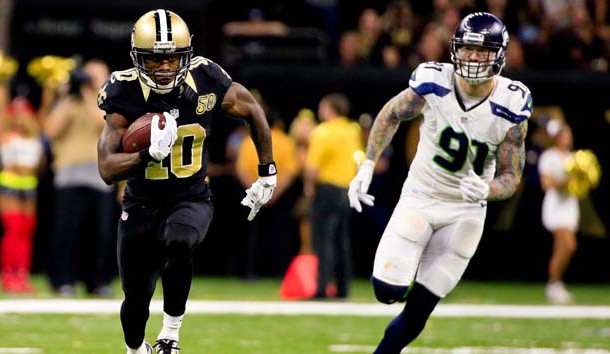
x: 329, y: 168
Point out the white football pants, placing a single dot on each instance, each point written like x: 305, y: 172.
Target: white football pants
x: 431, y: 239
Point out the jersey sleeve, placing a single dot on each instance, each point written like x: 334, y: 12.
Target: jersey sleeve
x: 114, y: 96
x: 219, y: 76
x: 431, y: 78
x: 515, y: 103
x: 522, y: 101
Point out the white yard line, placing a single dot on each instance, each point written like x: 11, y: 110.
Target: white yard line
x: 468, y: 350
x: 307, y: 308
x: 19, y: 351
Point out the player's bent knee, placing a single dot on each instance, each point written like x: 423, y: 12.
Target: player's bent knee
x: 388, y: 293
x: 180, y: 236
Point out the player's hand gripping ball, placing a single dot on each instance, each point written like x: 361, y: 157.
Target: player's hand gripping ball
x: 137, y: 136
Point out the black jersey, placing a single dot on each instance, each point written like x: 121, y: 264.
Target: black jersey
x: 181, y: 175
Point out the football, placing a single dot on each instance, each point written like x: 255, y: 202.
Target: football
x: 137, y: 136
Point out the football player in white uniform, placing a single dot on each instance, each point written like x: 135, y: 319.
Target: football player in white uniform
x: 471, y: 150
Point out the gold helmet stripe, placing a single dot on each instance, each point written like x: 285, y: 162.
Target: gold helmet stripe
x: 163, y: 24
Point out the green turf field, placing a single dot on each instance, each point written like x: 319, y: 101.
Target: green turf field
x: 233, y: 334
x: 282, y: 334
x: 211, y: 288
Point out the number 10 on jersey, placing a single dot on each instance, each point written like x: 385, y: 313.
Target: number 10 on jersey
x: 179, y: 155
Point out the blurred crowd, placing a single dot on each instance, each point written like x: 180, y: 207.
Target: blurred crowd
x: 545, y: 34
x: 53, y: 150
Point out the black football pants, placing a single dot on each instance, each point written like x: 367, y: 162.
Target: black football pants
x: 153, y: 242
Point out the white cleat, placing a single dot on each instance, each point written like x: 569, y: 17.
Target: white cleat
x: 557, y: 294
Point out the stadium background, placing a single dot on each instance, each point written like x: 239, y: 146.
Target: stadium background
x: 89, y: 28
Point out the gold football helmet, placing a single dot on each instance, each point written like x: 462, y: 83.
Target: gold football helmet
x: 157, y: 36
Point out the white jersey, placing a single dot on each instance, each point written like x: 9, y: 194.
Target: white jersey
x: 452, y: 139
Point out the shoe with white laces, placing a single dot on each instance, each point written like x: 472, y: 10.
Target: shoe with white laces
x: 167, y: 346
x: 557, y: 294
x: 149, y: 348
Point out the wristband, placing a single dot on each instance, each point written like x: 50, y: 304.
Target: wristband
x: 145, y: 157
x: 267, y: 169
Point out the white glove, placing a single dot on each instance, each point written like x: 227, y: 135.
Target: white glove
x: 473, y: 188
x: 360, y: 185
x: 259, y: 194
x: 161, y: 140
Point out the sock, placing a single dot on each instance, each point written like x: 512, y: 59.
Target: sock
x: 140, y: 350
x: 410, y: 322
x: 171, y: 327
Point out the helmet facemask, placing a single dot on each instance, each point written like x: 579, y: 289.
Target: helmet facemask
x: 161, y: 50
x: 152, y: 76
x: 490, y: 61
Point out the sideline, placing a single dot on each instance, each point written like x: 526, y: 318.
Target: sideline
x: 468, y: 350
x: 87, y: 306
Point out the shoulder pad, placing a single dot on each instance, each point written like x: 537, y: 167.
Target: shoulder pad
x: 512, y: 101
x: 432, y: 78
x: 115, y: 84
x: 120, y: 92
x: 211, y: 69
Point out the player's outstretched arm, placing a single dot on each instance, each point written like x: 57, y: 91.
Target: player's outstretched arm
x: 403, y: 107
x: 511, y: 159
x: 114, y: 165
x: 239, y: 103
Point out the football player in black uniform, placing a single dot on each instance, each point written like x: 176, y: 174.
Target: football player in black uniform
x: 166, y: 207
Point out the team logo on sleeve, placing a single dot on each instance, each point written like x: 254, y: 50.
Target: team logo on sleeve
x: 205, y: 103
x: 102, y: 95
